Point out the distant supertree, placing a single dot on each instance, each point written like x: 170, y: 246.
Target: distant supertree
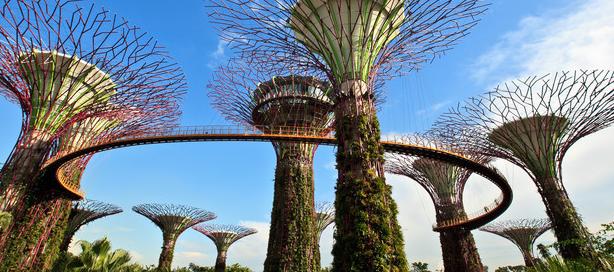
x: 223, y: 236
x: 532, y: 123
x: 355, y: 44
x: 172, y: 220
x: 292, y: 104
x: 63, y: 64
x: 445, y: 184
x: 325, y: 216
x: 522, y: 232
x: 84, y: 212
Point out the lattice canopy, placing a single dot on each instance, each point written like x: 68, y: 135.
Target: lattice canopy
x: 325, y: 216
x: 522, y: 232
x: 224, y: 235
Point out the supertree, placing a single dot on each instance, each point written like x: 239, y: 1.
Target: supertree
x: 63, y: 64
x: 355, y: 44
x: 325, y: 216
x: 223, y: 236
x: 522, y: 232
x: 84, y: 212
x: 445, y: 184
x: 173, y: 220
x: 532, y: 123
x: 292, y: 104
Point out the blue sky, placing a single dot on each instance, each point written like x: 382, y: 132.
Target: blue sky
x: 234, y: 179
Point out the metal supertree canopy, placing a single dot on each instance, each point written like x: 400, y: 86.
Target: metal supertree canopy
x: 224, y: 235
x: 444, y: 182
x: 63, y: 64
x: 347, y: 39
x: 115, y: 124
x: 325, y: 216
x: 173, y: 220
x: 172, y: 217
x: 522, y: 232
x: 84, y: 212
x: 532, y: 122
x: 272, y: 104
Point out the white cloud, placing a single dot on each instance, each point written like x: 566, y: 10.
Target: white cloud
x: 251, y: 250
x: 433, y: 109
x: 577, y: 36
x: 218, y: 55
x: 220, y: 49
x: 192, y: 255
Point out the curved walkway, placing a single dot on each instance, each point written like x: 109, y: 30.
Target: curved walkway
x: 223, y: 133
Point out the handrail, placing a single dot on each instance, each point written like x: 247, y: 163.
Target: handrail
x: 225, y: 133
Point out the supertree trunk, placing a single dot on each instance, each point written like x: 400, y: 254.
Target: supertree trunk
x: 37, y: 210
x: 21, y: 169
x: 220, y: 261
x: 458, y: 248
x: 293, y: 244
x: 573, y: 237
x: 38, y: 231
x: 529, y: 260
x: 166, y: 256
x: 66, y: 242
x: 368, y: 237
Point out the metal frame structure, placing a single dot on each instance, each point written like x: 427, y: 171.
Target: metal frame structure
x: 223, y: 236
x: 63, y: 64
x: 241, y: 133
x: 295, y: 101
x: 172, y: 220
x: 532, y: 122
x: 356, y: 45
x: 325, y: 216
x: 445, y: 184
x: 521, y: 232
x: 82, y: 213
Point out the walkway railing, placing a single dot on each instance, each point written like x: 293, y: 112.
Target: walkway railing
x: 187, y: 131
x: 238, y: 133
x: 472, y: 216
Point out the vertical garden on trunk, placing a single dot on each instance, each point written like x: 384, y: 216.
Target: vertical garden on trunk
x: 356, y: 45
x: 285, y: 105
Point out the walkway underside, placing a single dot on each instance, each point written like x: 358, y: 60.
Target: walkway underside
x: 199, y: 134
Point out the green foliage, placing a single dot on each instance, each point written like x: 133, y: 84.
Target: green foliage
x: 557, y: 264
x: 602, y: 242
x: 293, y: 244
x: 419, y: 267
x: 368, y: 237
x: 96, y: 257
x: 5, y: 220
x: 543, y: 251
x: 516, y: 268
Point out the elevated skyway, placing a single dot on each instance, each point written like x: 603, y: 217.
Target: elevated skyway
x: 51, y: 168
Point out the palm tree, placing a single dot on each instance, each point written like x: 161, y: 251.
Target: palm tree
x: 96, y: 257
